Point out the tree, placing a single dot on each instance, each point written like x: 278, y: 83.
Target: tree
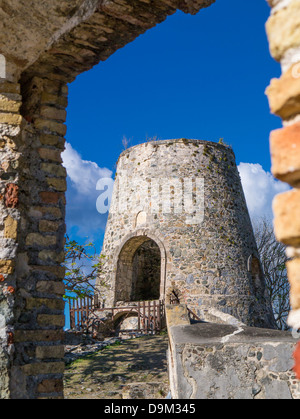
x: 273, y: 259
x: 83, y: 265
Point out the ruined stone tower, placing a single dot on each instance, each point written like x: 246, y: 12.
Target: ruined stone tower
x: 179, y: 229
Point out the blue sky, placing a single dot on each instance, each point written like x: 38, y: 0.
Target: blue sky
x: 199, y: 77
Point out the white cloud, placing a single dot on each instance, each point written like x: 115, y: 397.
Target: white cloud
x: 82, y: 195
x: 260, y: 188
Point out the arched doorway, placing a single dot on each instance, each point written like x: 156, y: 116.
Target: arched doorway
x: 146, y: 266
x: 140, y: 271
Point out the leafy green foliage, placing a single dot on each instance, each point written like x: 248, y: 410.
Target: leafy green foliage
x: 83, y: 266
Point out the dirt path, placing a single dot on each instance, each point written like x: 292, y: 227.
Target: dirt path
x: 121, y: 371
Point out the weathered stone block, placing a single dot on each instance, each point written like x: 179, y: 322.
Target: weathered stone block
x: 10, y: 119
x: 50, y: 386
x: 7, y: 266
x: 54, y: 169
x: 51, y: 320
x: 51, y: 256
x: 44, y: 352
x: 51, y: 287
x: 50, y: 112
x: 57, y: 271
x: 8, y: 87
x: 44, y: 368
x: 51, y: 212
x: 58, y: 184
x: 53, y: 140
x: 51, y: 197
x: 9, y: 105
x: 283, y: 29
x: 49, y: 226
x: 293, y: 268
x: 38, y: 336
x: 51, y: 303
x: 213, y: 361
x: 285, y: 151
x: 35, y: 239
x: 287, y: 221
x: 284, y: 95
x: 50, y: 154
x: 49, y: 125
x: 50, y: 99
x: 10, y: 228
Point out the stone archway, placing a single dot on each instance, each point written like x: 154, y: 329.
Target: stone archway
x: 140, y: 269
x: 138, y: 275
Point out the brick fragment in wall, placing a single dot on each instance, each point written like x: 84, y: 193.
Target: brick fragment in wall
x: 284, y: 93
x: 287, y: 221
x: 283, y: 29
x: 293, y: 268
x: 11, y: 195
x: 285, y: 153
x: 296, y: 368
x: 51, y: 197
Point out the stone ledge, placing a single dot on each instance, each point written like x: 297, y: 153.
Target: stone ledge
x: 210, y: 333
x: 213, y: 361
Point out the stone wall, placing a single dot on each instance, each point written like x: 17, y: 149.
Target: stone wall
x: 284, y: 97
x: 32, y: 236
x: 209, y: 249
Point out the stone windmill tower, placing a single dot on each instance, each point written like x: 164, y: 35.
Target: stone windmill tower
x: 179, y: 229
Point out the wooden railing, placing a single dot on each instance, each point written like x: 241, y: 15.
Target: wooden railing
x: 80, y: 310
x: 86, y: 314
